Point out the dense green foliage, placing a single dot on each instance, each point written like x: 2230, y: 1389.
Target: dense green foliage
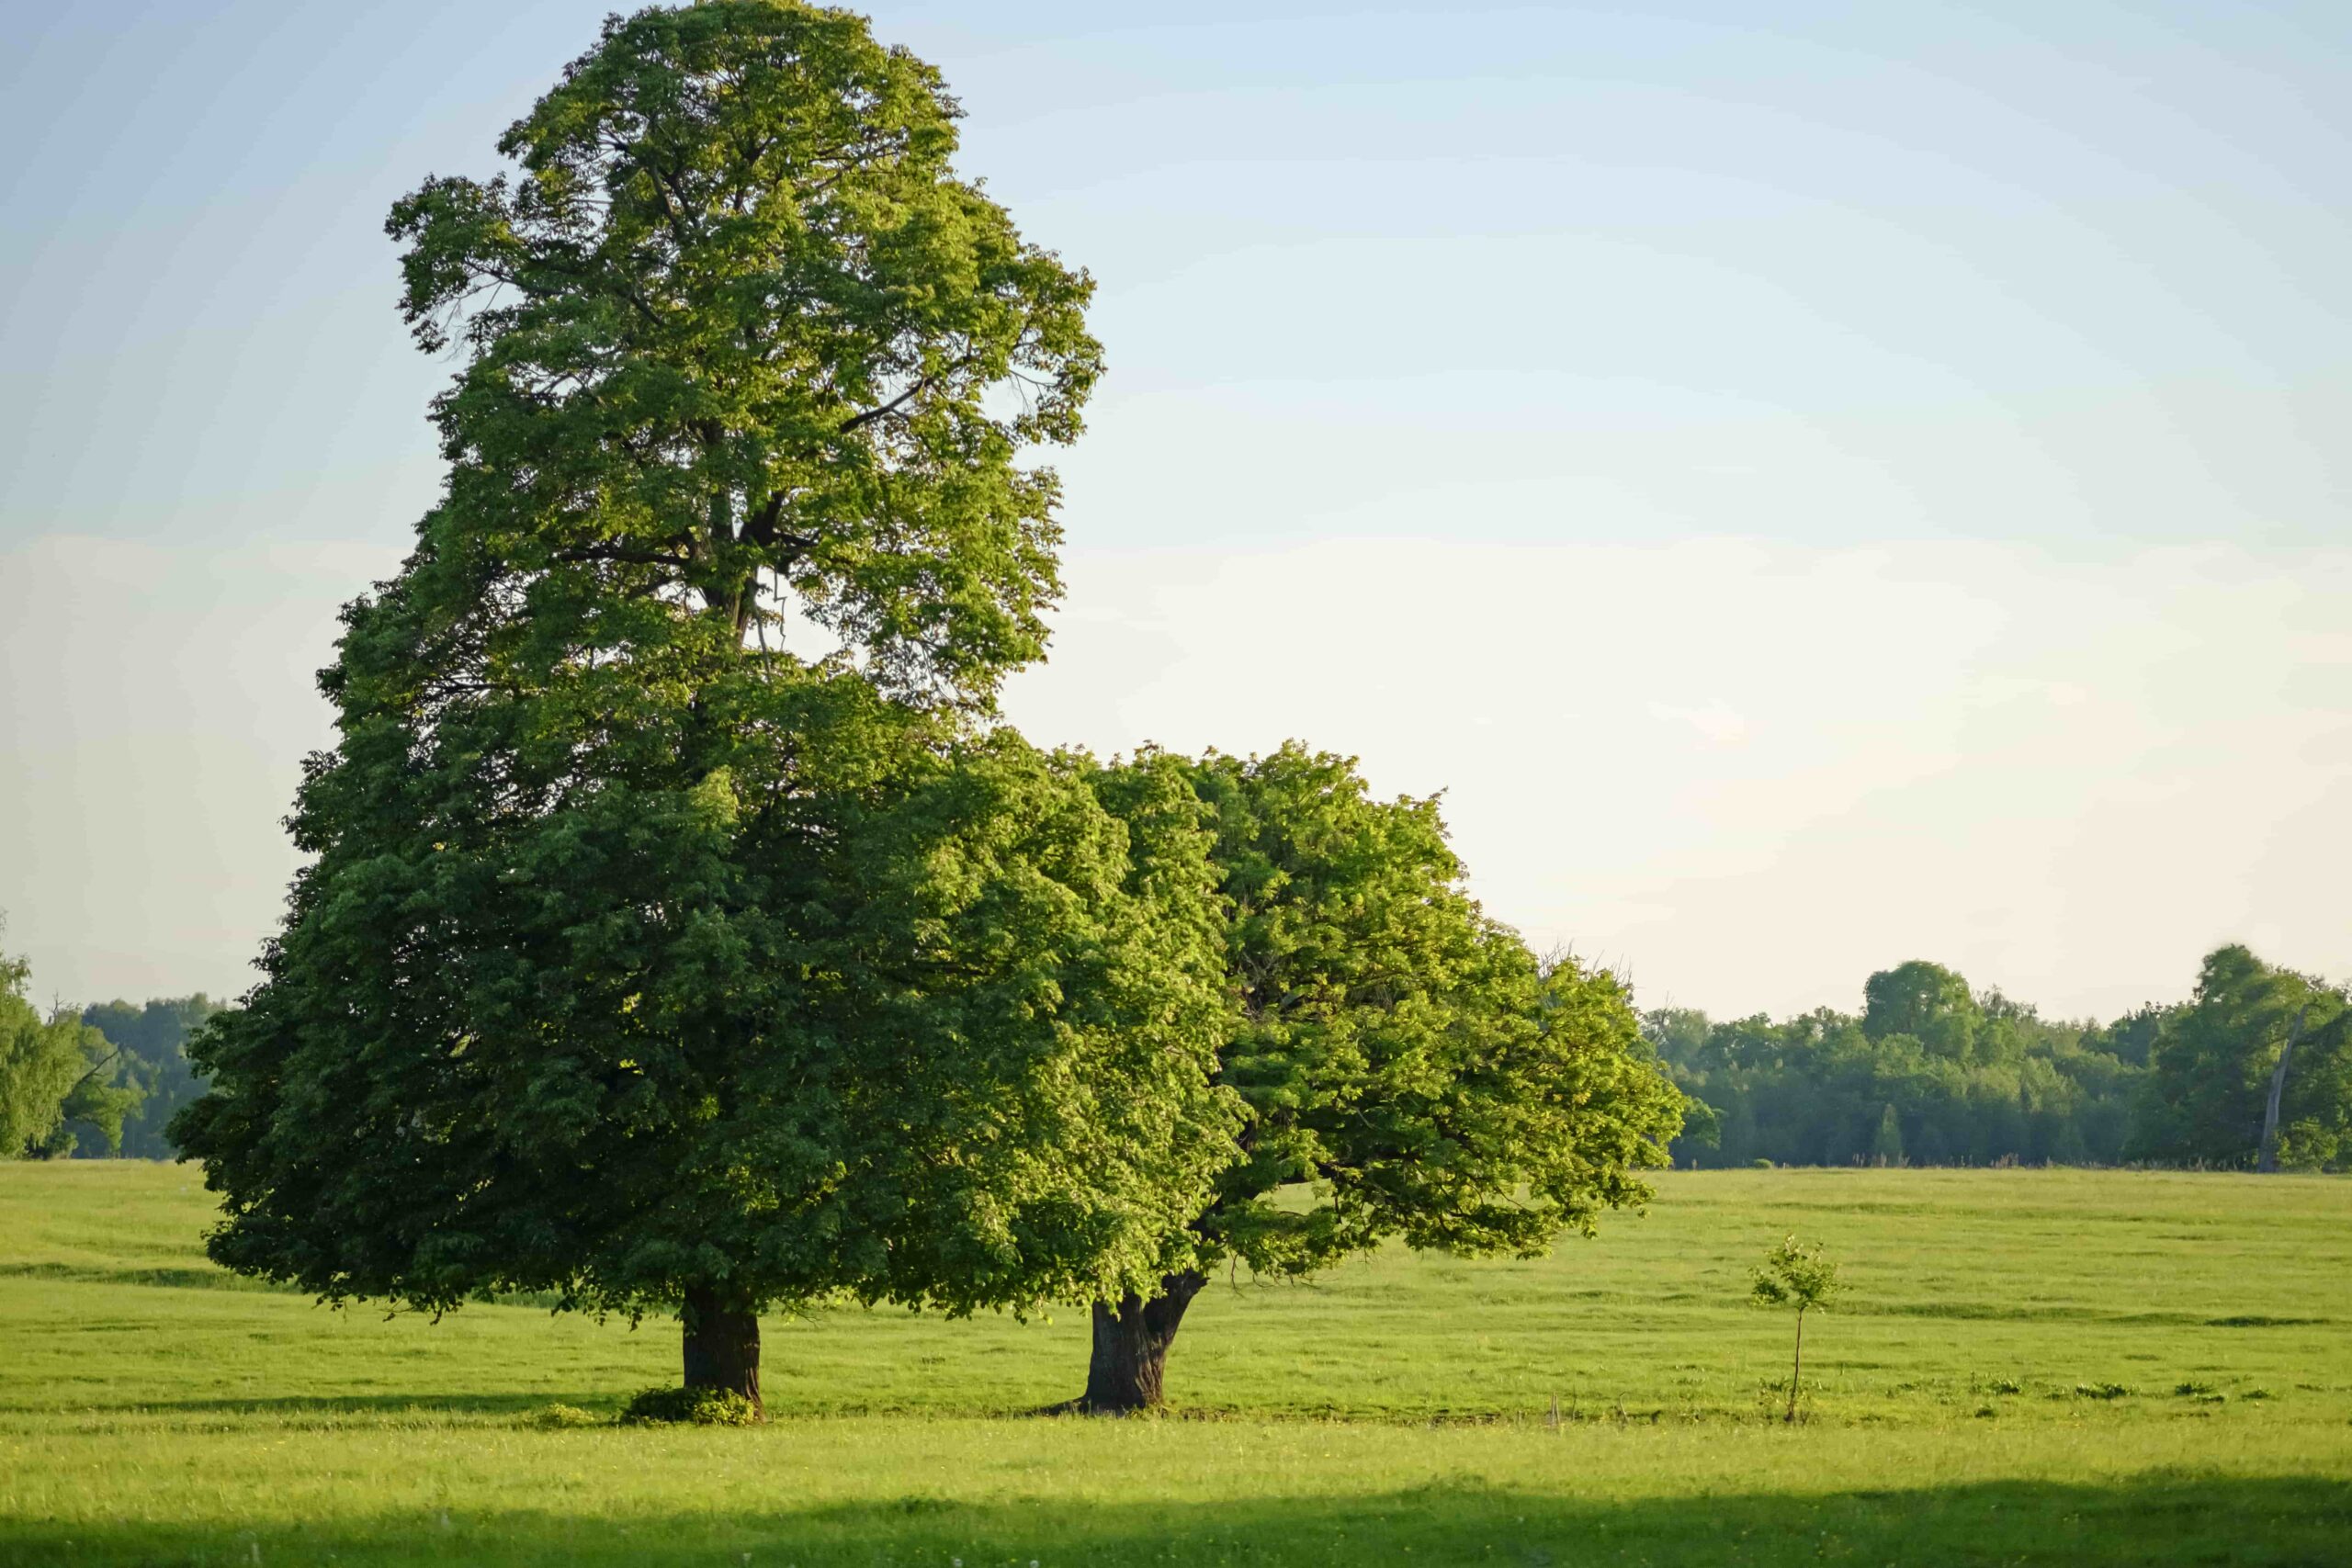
x: 156, y: 1410
x: 54, y: 1073
x: 152, y: 1039
x: 1931, y: 1073
x: 640, y: 959
x: 1407, y: 1067
x: 737, y: 326
x: 645, y: 959
x: 2211, y: 1064
x: 1407, y: 1062
x: 933, y: 1041
x: 1796, y: 1275
x: 687, y: 1407
x: 1992, y: 1082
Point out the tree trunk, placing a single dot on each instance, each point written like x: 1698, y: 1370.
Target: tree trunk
x: 1797, y: 1370
x: 2269, y: 1158
x: 1131, y: 1342
x: 722, y: 1346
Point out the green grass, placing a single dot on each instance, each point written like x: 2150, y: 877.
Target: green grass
x: 2029, y: 1366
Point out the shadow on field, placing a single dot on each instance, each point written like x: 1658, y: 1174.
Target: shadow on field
x: 2148, y: 1520
x: 332, y: 1406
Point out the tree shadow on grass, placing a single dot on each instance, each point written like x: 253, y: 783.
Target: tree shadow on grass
x: 2155, y: 1518
x: 328, y: 1407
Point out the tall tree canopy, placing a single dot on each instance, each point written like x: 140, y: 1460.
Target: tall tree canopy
x: 1410, y: 1070
x: 740, y: 338
x: 642, y: 959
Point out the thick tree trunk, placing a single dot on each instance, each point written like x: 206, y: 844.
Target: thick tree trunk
x: 1131, y: 1342
x: 722, y: 1346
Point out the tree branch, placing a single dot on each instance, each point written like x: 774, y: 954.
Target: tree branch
x: 621, y: 553
x: 895, y: 404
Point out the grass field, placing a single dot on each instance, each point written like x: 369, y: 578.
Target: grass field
x: 2032, y: 1367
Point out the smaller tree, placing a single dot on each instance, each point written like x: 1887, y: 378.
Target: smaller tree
x: 1406, y: 1067
x: 1793, y: 1274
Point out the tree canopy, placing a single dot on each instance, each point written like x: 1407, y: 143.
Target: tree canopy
x: 738, y: 338
x: 1796, y: 1275
x: 1410, y: 1068
x: 1928, y: 1002
x: 939, y: 1040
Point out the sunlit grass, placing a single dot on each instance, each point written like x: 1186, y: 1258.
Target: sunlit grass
x: 2029, y: 1366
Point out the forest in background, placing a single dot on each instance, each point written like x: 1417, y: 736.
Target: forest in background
x: 1930, y: 1072
x: 152, y: 1037
x: 104, y: 1080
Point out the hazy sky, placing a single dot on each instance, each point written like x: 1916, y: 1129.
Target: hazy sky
x: 1817, y: 492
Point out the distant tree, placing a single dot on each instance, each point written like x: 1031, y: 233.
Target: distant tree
x: 99, y: 1099
x: 1988, y: 1080
x: 2267, y: 1146
x: 639, y: 960
x: 2250, y: 1027
x: 39, y: 1064
x: 1795, y: 1275
x: 1678, y: 1035
x: 2070, y: 1146
x: 1703, y: 1127
x: 1736, y: 1138
x: 1927, y: 1002
x: 153, y: 1039
x: 2132, y: 1037
x: 1410, y: 1070
x: 1887, y: 1146
x: 53, y: 1071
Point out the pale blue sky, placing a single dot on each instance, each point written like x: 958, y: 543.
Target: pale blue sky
x: 1690, y: 319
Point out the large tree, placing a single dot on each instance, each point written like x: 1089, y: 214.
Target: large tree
x: 1410, y: 1070
x: 643, y: 958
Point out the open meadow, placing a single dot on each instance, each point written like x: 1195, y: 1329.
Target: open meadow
x: 2029, y: 1366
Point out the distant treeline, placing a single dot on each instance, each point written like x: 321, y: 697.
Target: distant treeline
x: 1932, y: 1072
x: 1929, y: 1072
